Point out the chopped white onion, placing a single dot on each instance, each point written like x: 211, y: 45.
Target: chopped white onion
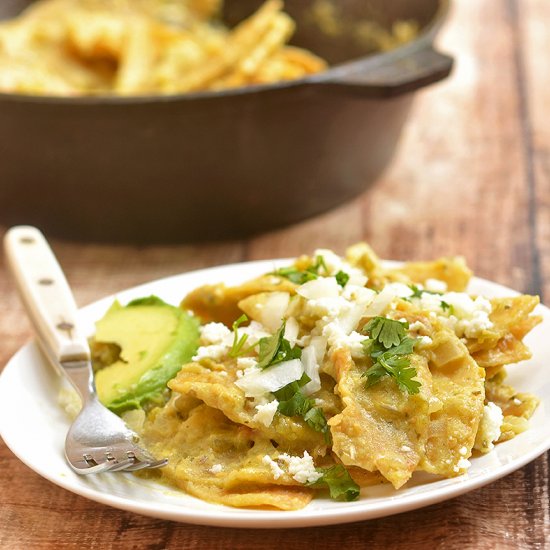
x: 257, y: 383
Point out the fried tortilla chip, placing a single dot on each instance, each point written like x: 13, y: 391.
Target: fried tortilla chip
x: 458, y: 385
x: 219, y: 461
x: 220, y: 303
x: 381, y: 428
x: 216, y: 388
x: 502, y: 344
x: 453, y: 271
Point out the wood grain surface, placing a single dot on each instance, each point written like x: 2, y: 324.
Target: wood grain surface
x: 472, y: 177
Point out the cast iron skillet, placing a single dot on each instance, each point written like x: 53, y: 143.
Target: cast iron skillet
x: 217, y: 164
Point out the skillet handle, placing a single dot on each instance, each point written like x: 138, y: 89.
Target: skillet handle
x: 393, y: 75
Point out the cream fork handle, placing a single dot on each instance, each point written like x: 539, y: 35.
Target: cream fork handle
x: 46, y: 294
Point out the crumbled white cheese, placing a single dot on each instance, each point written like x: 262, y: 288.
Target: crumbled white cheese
x: 216, y: 340
x: 467, y: 317
x: 216, y: 469
x: 490, y: 426
x: 335, y: 263
x: 246, y: 362
x: 214, y: 333
x: 255, y: 331
x: 417, y: 326
x: 463, y: 451
x: 435, y: 285
x: 276, y: 470
x: 462, y: 464
x: 215, y: 351
x: 302, y: 469
x: 220, y: 339
x: 430, y: 302
x: 337, y: 338
x: 424, y: 342
x: 329, y: 306
x: 266, y: 413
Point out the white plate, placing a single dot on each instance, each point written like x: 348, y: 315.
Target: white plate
x: 34, y: 426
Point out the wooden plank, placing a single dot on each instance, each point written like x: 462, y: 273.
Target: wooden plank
x: 534, y: 18
x: 458, y: 184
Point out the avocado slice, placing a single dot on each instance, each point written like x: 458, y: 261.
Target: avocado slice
x: 155, y: 340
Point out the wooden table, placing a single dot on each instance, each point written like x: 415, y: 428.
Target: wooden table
x: 472, y: 177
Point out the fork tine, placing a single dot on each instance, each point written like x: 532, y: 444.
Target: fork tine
x: 121, y: 465
x: 137, y: 466
x: 158, y: 463
x: 142, y: 455
x: 95, y: 469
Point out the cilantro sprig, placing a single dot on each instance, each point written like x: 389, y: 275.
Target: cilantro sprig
x: 389, y: 347
x: 301, y: 276
x: 340, y: 484
x: 238, y: 341
x: 276, y: 349
x: 292, y: 402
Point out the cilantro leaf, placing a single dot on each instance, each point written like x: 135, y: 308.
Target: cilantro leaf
x: 276, y: 349
x: 405, y: 347
x: 287, y: 392
x: 374, y: 374
x: 404, y: 376
x: 386, y: 331
x: 315, y: 418
x: 238, y: 342
x: 297, y: 405
x: 342, y: 278
x: 340, y: 484
x: 292, y: 402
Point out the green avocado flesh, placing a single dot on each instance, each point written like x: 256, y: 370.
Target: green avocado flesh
x: 155, y: 339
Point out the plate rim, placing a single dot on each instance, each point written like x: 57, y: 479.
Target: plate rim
x: 260, y: 519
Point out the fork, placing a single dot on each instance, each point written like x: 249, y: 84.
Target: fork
x: 98, y: 440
